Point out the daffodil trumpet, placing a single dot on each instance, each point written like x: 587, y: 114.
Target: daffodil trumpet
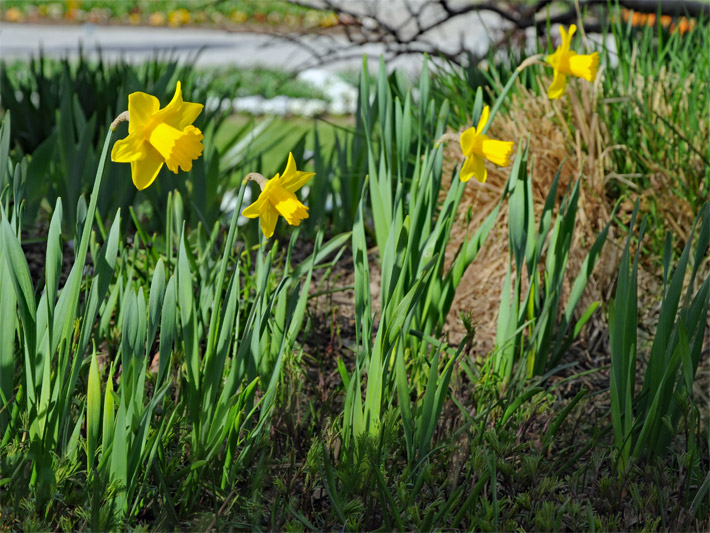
x: 566, y: 62
x: 278, y: 197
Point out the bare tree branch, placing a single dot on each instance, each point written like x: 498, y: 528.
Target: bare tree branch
x: 411, y: 29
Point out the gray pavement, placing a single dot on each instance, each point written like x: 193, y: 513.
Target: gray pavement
x: 137, y: 44
x: 474, y: 31
x: 216, y: 46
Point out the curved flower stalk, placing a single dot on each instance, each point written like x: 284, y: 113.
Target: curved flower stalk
x: 157, y: 136
x: 477, y: 146
x: 566, y: 62
x: 277, y: 198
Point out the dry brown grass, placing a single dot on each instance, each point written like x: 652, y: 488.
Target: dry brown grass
x: 564, y: 132
x: 569, y: 132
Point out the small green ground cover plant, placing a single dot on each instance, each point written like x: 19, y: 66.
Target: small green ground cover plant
x: 187, y: 370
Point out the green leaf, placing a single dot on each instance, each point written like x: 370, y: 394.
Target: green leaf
x: 4, y: 149
x: 53, y: 264
x: 8, y: 303
x: 21, y: 280
x: 93, y: 411
x: 155, y: 302
x: 519, y: 400
x: 168, y: 328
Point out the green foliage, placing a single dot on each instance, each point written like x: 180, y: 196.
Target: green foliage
x: 66, y: 108
x: 655, y: 108
x: 221, y: 345
x: 644, y: 422
x: 184, y: 375
x: 538, y: 311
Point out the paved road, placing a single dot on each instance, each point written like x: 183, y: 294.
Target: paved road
x: 216, y: 47
x: 140, y: 43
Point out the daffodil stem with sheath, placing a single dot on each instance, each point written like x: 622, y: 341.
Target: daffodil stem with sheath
x: 258, y: 178
x: 123, y: 117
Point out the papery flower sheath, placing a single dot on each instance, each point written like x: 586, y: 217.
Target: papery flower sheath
x: 476, y: 146
x: 159, y: 136
x: 277, y: 198
x: 566, y: 62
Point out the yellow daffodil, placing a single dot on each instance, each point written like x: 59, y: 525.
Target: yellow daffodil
x: 567, y: 62
x: 157, y: 136
x: 476, y: 146
x: 277, y: 198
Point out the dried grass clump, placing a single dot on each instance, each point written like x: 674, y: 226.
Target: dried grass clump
x: 578, y: 142
x: 671, y: 154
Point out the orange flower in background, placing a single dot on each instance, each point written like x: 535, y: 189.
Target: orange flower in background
x: 159, y: 136
x: 684, y: 25
x: 566, y: 62
x: 156, y: 19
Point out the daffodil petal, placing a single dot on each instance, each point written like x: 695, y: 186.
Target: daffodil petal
x: 467, y: 141
x: 292, y: 179
x: 298, y: 180
x: 141, y: 107
x: 479, y: 168
x: 144, y: 171
x: 267, y: 220
x: 483, y: 120
x: 554, y: 59
x: 189, y: 111
x: 129, y: 149
x: 473, y: 167
x: 290, y: 166
x: 567, y: 36
x: 254, y: 210
x: 466, y: 172
x: 557, y: 88
x: 179, y: 113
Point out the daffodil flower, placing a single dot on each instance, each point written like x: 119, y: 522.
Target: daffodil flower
x: 567, y: 62
x: 476, y: 146
x: 157, y: 136
x: 277, y: 198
